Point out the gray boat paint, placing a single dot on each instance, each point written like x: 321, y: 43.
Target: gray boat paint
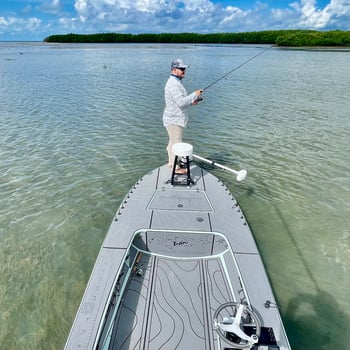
x: 172, y: 256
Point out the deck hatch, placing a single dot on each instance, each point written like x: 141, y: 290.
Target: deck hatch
x: 180, y: 244
x: 183, y: 200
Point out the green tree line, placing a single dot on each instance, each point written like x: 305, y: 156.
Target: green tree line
x: 272, y: 37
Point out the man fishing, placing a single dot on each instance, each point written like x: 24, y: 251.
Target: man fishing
x: 176, y: 101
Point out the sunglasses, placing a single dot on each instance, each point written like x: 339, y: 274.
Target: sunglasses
x: 182, y: 69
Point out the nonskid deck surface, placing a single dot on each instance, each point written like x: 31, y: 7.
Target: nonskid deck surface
x: 170, y: 305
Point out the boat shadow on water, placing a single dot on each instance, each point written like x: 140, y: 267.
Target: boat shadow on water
x: 326, y: 325
x: 316, y: 315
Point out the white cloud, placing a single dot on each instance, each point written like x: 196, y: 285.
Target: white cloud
x: 53, y: 7
x: 148, y: 5
x: 15, y: 24
x: 136, y: 16
x: 232, y: 14
x: 140, y: 16
x: 27, y: 9
x: 311, y: 17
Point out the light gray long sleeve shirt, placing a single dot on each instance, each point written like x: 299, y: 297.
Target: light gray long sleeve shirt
x: 176, y: 102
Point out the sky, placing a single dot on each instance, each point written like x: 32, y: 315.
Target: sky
x: 34, y: 20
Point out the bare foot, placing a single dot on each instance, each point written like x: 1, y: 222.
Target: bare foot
x: 181, y: 171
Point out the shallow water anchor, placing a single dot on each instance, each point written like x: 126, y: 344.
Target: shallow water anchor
x: 240, y: 175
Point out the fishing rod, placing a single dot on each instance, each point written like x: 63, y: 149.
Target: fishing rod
x: 233, y: 70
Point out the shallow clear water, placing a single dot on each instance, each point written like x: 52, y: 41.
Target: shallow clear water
x: 81, y: 123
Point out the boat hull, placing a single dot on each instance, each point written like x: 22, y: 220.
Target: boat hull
x: 173, y: 257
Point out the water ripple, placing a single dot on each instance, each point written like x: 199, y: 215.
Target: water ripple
x: 79, y: 127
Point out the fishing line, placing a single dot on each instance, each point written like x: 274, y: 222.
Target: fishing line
x: 236, y: 68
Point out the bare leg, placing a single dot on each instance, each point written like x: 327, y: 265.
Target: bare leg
x: 175, y: 133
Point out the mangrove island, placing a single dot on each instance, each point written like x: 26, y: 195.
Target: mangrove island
x: 295, y: 38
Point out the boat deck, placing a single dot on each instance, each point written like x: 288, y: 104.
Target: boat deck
x: 170, y: 305
x: 172, y: 256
